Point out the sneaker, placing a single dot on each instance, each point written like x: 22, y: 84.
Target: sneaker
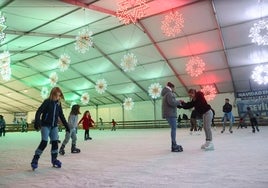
x: 209, y: 147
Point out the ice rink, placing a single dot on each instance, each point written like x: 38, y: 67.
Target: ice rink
x: 140, y: 158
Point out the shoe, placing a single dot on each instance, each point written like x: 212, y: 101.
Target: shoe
x: 231, y: 131
x: 209, y: 147
x: 34, y: 163
x: 177, y: 148
x: 222, y: 131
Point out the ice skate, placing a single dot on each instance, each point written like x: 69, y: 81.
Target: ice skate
x: 34, y: 163
x: 75, y: 149
x: 177, y: 148
x: 56, y: 163
x: 209, y: 147
x: 203, y: 146
x: 62, y: 151
x: 222, y: 130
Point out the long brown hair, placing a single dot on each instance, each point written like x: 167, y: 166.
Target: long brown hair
x: 54, y: 91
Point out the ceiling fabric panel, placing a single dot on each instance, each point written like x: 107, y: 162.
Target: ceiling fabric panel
x: 40, y: 32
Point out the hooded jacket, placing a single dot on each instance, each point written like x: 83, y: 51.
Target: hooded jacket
x: 169, y: 103
x: 48, y: 114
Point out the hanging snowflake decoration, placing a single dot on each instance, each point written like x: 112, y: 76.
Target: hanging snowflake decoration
x: 128, y: 104
x: 84, y: 41
x: 85, y: 98
x: 44, y: 92
x: 129, y: 62
x: 53, y: 78
x: 209, y: 92
x: 172, y: 24
x: 2, y: 27
x: 155, y: 90
x: 5, y: 65
x: 131, y: 10
x: 101, y: 86
x: 195, y: 66
x: 260, y: 74
x: 259, y: 32
x: 64, y: 62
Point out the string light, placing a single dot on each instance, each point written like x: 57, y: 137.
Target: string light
x: 101, y: 86
x: 44, y: 92
x: 84, y: 98
x: 5, y: 65
x: 131, y: 10
x: 128, y: 103
x: 155, y: 90
x: 2, y: 27
x: 83, y: 41
x: 259, y: 32
x: 209, y: 92
x: 129, y: 62
x: 172, y: 24
x: 260, y: 74
x: 195, y: 66
x: 53, y: 78
x: 64, y: 62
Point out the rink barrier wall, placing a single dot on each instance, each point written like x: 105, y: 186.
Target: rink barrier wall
x: 141, y: 124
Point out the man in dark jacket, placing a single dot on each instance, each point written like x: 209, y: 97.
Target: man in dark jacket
x: 169, y: 112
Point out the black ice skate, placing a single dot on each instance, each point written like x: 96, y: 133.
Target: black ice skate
x: 62, y: 151
x: 177, y: 148
x: 74, y: 149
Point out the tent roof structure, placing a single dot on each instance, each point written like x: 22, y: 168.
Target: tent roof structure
x: 39, y: 32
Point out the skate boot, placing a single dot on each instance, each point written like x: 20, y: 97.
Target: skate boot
x: 177, y: 148
x: 209, y: 147
x: 62, y: 151
x: 34, y: 163
x: 74, y: 149
x: 222, y: 130
x: 231, y: 131
x: 56, y: 163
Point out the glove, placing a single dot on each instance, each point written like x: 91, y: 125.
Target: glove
x: 179, y: 106
x: 37, y: 126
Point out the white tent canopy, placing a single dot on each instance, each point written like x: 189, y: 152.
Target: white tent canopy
x: 39, y: 32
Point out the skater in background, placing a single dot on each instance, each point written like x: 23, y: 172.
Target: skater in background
x: 241, y: 123
x: 227, y: 116
x: 199, y: 102
x: 87, y: 123
x: 101, y: 127
x: 252, y: 118
x: 2, y: 126
x: 169, y: 112
x: 46, y: 119
x: 72, y: 122
x: 24, y: 125
x: 113, y: 125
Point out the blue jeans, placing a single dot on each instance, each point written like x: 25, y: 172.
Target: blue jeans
x: 50, y: 132
x: 172, y: 121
